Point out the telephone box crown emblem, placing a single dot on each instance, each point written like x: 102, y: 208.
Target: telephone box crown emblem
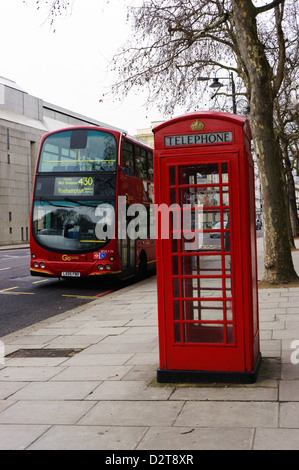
x: 197, y: 125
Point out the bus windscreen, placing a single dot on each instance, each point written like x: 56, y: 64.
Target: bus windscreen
x: 78, y: 151
x: 70, y: 225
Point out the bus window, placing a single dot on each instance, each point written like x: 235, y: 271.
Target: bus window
x: 140, y: 162
x: 150, y: 168
x: 78, y: 150
x: 128, y: 158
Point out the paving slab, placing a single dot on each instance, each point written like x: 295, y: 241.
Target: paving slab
x: 129, y: 390
x: 45, y: 412
x: 225, y: 393
x: 9, y: 388
x: 83, y: 373
x: 89, y: 438
x: 289, y: 415
x: 132, y: 413
x: 28, y: 373
x: 288, y: 390
x: 237, y: 414
x: 276, y: 439
x: 18, y: 436
x: 185, y: 438
x: 55, y: 391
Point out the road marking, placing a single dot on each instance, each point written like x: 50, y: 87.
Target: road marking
x: 4, y: 269
x: 89, y: 296
x: 19, y: 293
x: 5, y: 291
x: 79, y: 296
x: 106, y: 292
x: 9, y: 288
x: 43, y: 280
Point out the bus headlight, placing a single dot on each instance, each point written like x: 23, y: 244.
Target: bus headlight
x: 35, y: 265
x: 100, y: 267
x: 108, y: 267
x: 111, y: 258
x: 42, y: 265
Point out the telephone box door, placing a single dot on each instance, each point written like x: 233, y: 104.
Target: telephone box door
x: 201, y: 263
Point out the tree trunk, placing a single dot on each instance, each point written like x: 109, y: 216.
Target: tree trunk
x: 291, y: 194
x: 278, y: 261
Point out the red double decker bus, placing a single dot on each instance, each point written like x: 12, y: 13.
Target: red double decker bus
x: 87, y: 182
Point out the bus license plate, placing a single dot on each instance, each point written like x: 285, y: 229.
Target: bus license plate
x: 70, y: 274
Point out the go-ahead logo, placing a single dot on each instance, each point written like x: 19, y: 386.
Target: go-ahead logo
x: 66, y: 258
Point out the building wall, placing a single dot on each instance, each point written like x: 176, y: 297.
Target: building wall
x: 23, y: 121
x: 17, y: 158
x: 147, y: 135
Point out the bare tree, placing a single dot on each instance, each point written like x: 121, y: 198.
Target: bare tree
x: 53, y: 8
x: 175, y: 42
x: 286, y: 115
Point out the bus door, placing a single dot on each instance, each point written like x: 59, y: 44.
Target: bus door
x: 128, y: 249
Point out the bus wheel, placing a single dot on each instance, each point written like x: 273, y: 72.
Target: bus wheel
x: 142, y: 266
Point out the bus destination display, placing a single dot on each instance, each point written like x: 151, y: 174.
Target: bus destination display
x: 74, y: 186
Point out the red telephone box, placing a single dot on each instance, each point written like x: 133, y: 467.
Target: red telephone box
x: 206, y: 250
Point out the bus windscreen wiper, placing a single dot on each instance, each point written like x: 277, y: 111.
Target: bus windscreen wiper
x: 78, y: 202
x: 51, y: 203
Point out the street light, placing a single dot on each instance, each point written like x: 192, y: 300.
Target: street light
x: 217, y: 84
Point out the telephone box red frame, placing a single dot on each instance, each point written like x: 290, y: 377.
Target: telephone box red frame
x: 207, y: 295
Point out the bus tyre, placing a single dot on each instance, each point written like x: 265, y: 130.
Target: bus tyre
x: 142, y: 266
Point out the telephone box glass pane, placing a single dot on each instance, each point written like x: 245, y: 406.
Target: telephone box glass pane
x: 224, y: 171
x: 205, y: 333
x: 201, y: 265
x: 229, y: 312
x: 207, y: 197
x: 201, y: 287
x: 172, y: 196
x: 199, y: 174
x: 206, y: 310
x: 229, y: 332
x: 201, y: 261
x: 225, y: 196
x: 172, y: 176
x: 176, y: 309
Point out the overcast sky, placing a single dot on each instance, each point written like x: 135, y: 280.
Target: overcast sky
x: 69, y: 67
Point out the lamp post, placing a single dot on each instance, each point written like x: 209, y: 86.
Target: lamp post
x: 217, y: 84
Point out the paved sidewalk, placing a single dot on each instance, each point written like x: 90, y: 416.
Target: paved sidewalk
x: 104, y: 395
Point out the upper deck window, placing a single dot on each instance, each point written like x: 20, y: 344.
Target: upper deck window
x: 78, y: 150
x: 128, y: 158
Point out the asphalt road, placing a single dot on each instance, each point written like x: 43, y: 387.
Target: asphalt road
x: 26, y: 300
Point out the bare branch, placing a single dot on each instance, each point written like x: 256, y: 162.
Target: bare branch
x: 211, y: 27
x: 282, y: 49
x: 268, y: 7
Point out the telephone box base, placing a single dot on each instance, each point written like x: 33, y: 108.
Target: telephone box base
x: 195, y: 376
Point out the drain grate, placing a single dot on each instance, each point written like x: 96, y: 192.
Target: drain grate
x: 44, y: 352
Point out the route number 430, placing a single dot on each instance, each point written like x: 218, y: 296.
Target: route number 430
x: 86, y: 181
